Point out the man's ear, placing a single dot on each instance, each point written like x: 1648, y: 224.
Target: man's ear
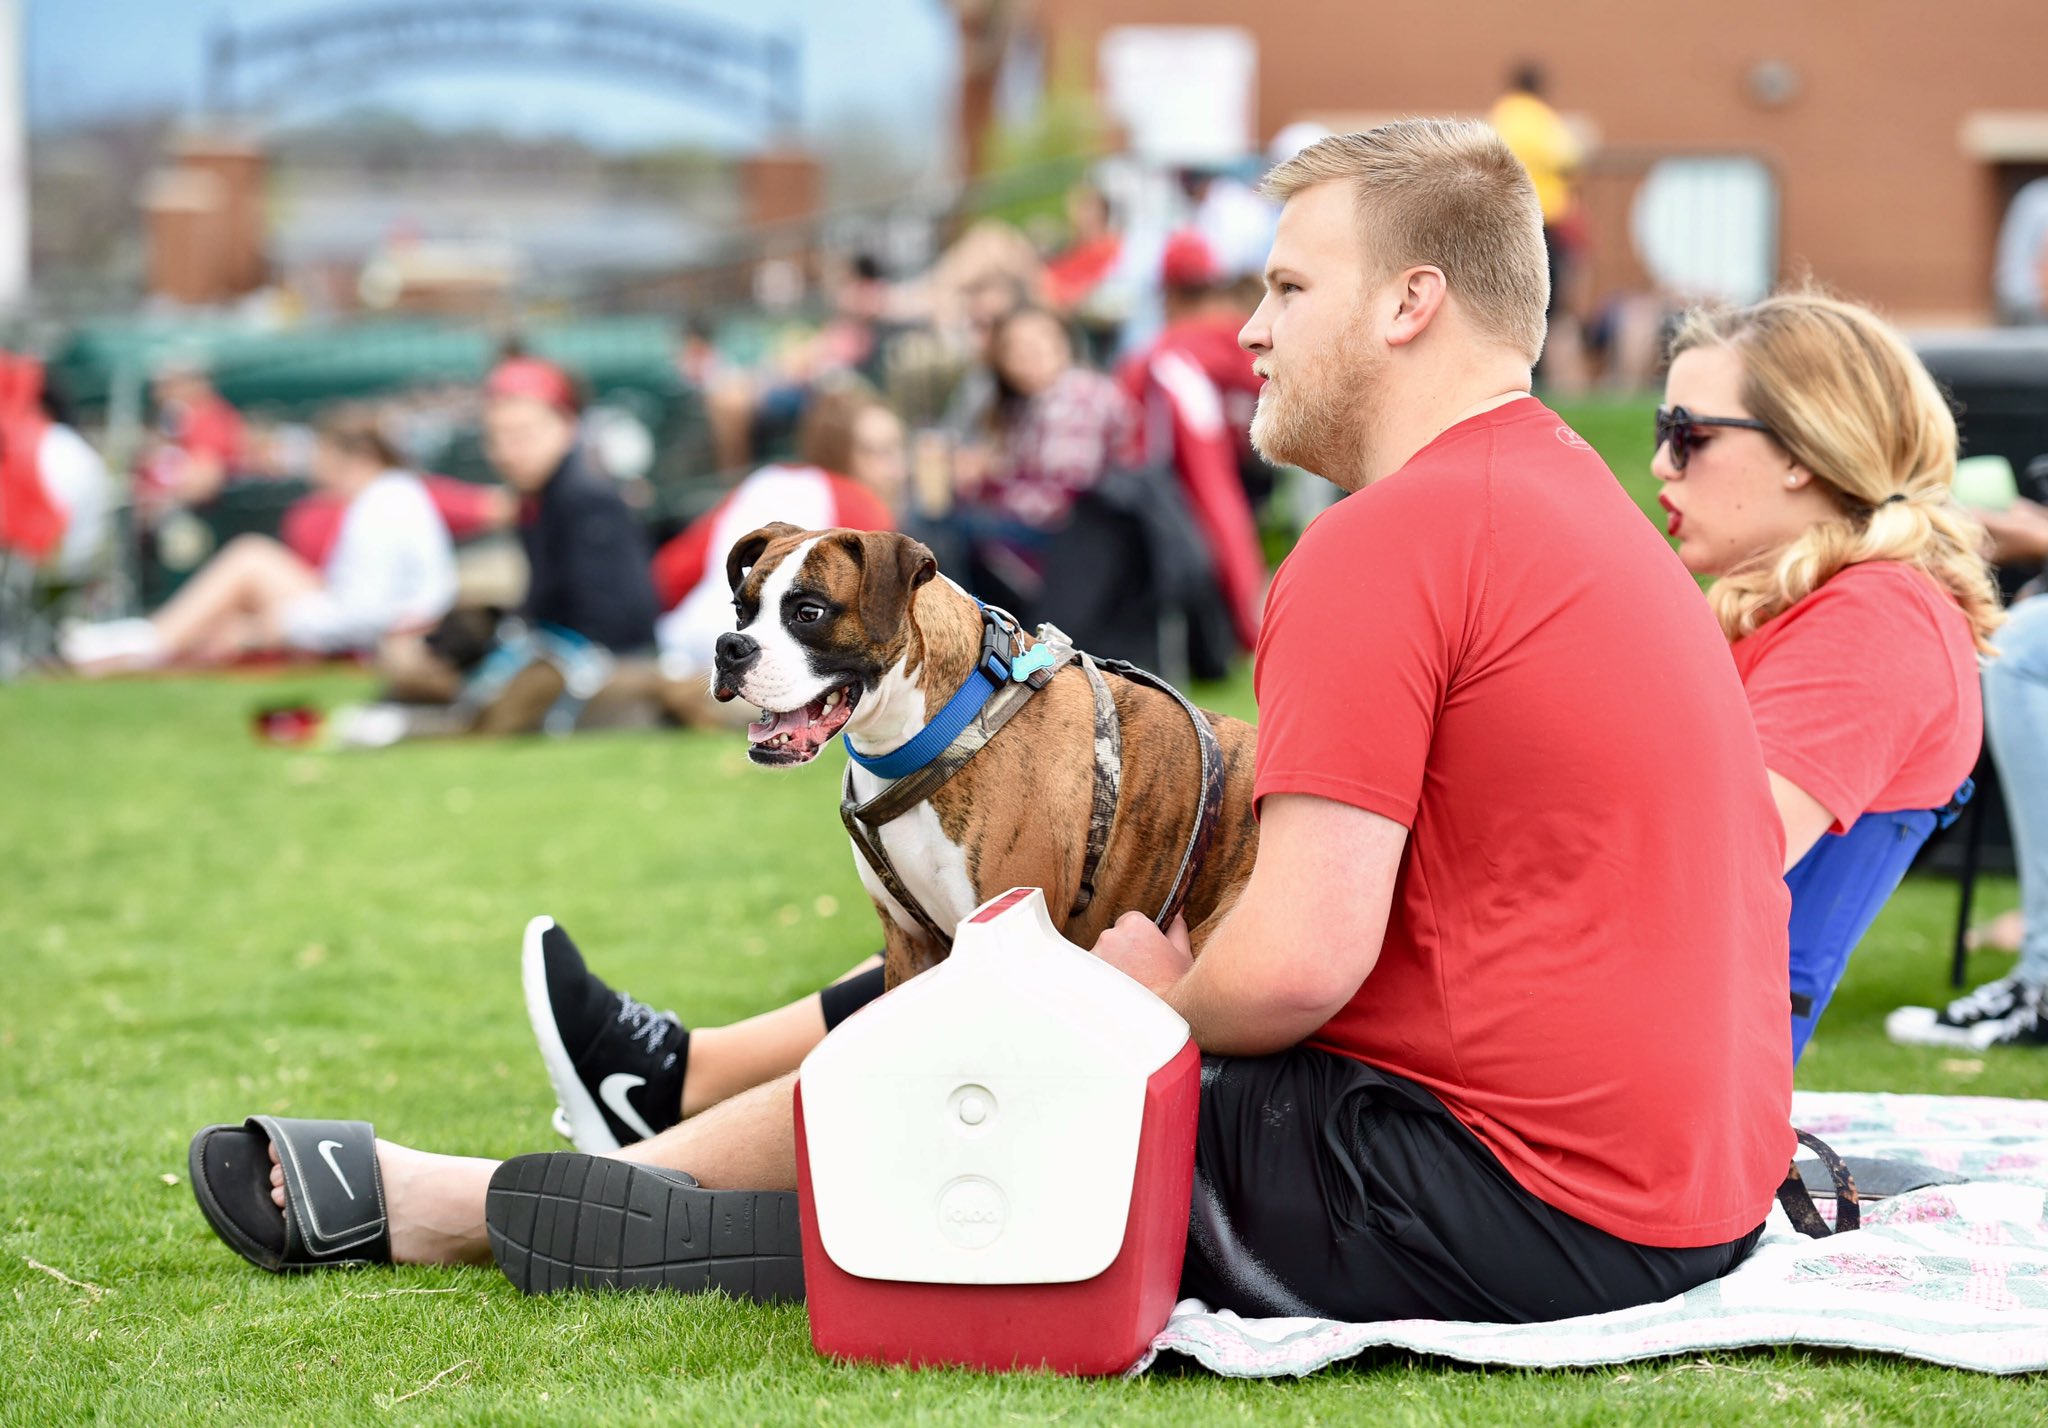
x: 892, y: 566
x: 747, y: 549
x: 1422, y: 292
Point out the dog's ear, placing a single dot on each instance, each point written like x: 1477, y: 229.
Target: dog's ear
x: 747, y: 549
x: 892, y: 566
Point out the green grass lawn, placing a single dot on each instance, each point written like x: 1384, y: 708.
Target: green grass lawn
x: 196, y: 927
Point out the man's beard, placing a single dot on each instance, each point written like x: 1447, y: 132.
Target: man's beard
x: 1318, y: 420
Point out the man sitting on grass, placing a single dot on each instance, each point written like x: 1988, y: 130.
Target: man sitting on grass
x: 1497, y: 1028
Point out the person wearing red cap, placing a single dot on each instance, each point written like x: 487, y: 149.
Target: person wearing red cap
x: 1196, y: 386
x: 587, y: 555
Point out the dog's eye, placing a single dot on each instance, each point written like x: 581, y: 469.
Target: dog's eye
x: 809, y: 614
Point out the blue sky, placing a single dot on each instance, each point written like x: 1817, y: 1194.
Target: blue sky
x: 889, y: 60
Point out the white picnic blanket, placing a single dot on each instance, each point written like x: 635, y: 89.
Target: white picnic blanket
x: 1954, y: 1275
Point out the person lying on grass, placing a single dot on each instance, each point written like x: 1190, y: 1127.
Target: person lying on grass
x: 391, y: 572
x: 1496, y: 1030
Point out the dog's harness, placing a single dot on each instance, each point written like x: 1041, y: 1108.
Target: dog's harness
x: 1005, y: 677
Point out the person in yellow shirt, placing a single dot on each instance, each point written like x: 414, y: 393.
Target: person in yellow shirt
x: 1541, y: 139
x: 1551, y: 152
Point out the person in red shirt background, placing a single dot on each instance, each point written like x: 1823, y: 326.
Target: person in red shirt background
x: 1195, y: 389
x: 199, y: 443
x: 1807, y: 460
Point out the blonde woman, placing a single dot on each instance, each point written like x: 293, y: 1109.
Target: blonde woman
x: 1806, y: 458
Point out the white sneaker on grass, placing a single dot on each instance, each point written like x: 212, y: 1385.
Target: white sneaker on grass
x: 2006, y: 1012
x: 110, y: 645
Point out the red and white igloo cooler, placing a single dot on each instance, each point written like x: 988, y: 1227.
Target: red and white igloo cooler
x: 995, y: 1160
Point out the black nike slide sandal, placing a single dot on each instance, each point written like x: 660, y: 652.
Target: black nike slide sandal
x: 566, y: 1220
x: 333, y: 1193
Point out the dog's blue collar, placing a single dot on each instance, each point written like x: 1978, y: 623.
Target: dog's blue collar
x: 999, y: 665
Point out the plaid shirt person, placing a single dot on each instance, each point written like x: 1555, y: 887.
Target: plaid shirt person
x: 1055, y: 445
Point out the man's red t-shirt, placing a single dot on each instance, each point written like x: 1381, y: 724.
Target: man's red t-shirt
x: 1865, y: 692
x: 1585, y: 958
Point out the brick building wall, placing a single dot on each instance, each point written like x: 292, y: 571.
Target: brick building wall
x: 1888, y: 188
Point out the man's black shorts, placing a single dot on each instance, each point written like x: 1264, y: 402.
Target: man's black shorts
x: 1325, y: 1187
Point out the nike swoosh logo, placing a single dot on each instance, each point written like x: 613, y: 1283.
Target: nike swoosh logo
x: 612, y: 1091
x: 327, y: 1149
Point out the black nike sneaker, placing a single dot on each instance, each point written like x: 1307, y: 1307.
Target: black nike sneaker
x: 568, y: 1221
x: 616, y: 1063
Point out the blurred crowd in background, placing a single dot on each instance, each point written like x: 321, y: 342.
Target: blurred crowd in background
x: 1027, y: 405
x: 521, y: 523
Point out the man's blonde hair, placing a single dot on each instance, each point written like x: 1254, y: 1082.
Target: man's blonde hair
x: 1847, y: 399
x: 1446, y: 193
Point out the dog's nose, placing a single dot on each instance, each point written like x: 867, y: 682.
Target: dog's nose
x: 734, y: 653
x: 735, y: 650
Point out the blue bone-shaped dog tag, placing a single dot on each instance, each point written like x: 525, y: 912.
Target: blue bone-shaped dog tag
x: 1038, y: 657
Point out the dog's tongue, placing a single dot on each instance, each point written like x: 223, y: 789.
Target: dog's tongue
x: 803, y: 731
x: 769, y: 725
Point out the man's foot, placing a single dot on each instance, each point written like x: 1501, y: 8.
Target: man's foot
x: 566, y: 1221
x: 243, y: 1175
x: 433, y: 1204
x: 616, y: 1064
x: 2006, y: 1012
x: 296, y: 1194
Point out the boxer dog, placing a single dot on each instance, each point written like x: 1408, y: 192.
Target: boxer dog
x: 855, y: 632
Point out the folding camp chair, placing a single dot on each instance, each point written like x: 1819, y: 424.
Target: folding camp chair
x: 1838, y: 889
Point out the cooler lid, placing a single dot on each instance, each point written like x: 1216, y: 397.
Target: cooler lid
x: 980, y: 1124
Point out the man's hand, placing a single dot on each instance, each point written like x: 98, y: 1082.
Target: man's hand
x: 1136, y: 947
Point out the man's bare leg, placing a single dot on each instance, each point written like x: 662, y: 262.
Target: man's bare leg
x: 727, y: 1060
x: 435, y: 1203
x: 745, y: 1143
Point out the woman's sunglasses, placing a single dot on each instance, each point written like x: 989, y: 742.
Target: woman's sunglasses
x: 1682, y: 429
